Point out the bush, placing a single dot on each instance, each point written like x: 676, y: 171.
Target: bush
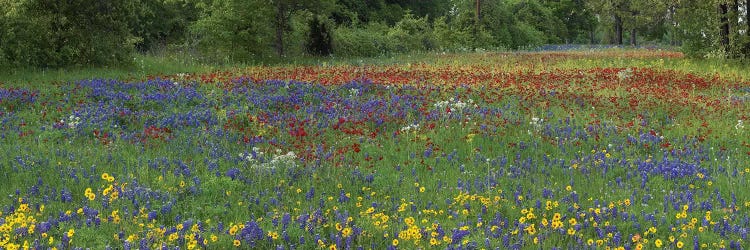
x: 58, y: 34
x: 412, y: 34
x: 235, y: 31
x: 367, y: 41
x: 526, y: 35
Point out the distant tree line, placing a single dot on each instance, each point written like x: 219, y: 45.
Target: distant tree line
x: 43, y: 33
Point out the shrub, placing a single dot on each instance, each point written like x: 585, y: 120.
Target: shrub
x: 412, y: 34
x: 64, y: 33
x: 235, y: 31
x: 369, y: 40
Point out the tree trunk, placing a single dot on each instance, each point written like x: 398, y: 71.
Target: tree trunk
x: 479, y: 10
x: 633, y: 37
x: 280, y: 24
x: 618, y: 30
x: 747, y: 17
x: 723, y: 9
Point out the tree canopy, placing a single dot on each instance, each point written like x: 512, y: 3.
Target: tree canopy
x: 40, y: 33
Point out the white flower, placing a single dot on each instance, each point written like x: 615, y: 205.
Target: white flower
x: 410, y: 127
x: 73, y: 121
x: 353, y: 92
x: 739, y: 125
x: 536, y: 122
x: 625, y: 74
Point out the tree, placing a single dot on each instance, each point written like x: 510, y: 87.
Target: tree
x: 319, y: 41
x: 283, y: 11
x: 579, y: 20
x: 541, y: 18
x: 157, y: 23
x: 63, y: 33
x: 698, y: 26
x: 724, y: 25
x: 235, y: 30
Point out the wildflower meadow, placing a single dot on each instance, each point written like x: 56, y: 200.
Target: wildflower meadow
x: 609, y: 149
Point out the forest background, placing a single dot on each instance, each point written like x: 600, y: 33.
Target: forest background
x: 83, y: 33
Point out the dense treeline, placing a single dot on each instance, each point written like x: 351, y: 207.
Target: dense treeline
x: 45, y: 33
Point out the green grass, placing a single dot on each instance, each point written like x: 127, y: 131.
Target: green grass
x: 180, y: 151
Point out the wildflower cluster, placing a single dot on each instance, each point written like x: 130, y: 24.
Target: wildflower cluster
x: 494, y: 152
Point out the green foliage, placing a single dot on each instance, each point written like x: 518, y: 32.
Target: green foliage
x: 533, y: 19
x: 579, y: 20
x: 62, y: 33
x: 527, y: 35
x: 461, y: 31
x: 158, y: 23
x: 447, y: 37
x: 412, y: 34
x: 235, y: 31
x: 369, y: 40
x: 698, y: 28
x: 55, y: 34
x: 497, y: 21
x: 319, y: 41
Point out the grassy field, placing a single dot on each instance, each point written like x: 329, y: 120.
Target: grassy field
x: 618, y: 149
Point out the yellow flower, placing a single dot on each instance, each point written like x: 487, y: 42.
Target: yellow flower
x: 236, y: 243
x: 394, y: 242
x: 273, y: 235
x: 572, y: 221
x: 214, y: 238
x: 332, y: 247
x: 447, y: 239
x: 71, y: 232
x: 530, y: 230
x: 421, y: 189
x: 105, y: 176
x: 470, y: 137
x: 568, y: 188
x: 434, y: 242
x: 409, y: 221
x: 657, y: 243
x: 680, y: 244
